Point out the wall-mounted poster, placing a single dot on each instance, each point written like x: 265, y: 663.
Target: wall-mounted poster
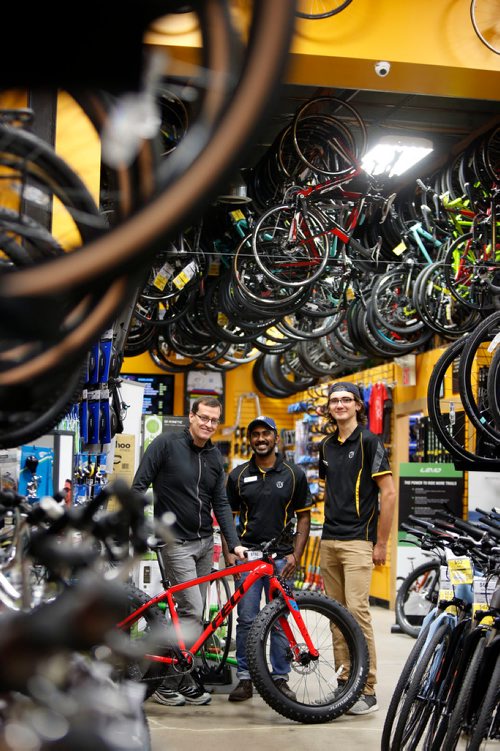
x: 426, y: 487
x: 423, y: 489
x: 203, y: 383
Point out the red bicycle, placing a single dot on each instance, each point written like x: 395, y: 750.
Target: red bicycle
x: 325, y: 647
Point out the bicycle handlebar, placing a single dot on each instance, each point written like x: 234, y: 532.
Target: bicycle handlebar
x: 267, y: 547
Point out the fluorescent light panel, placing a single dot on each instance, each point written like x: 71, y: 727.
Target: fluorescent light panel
x: 393, y: 155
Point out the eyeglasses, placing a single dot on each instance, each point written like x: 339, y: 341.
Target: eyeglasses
x: 205, y: 419
x: 341, y: 400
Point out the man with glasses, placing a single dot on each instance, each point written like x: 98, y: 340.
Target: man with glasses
x: 187, y: 474
x: 265, y: 493
x: 359, y: 506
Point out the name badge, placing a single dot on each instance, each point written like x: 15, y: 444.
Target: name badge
x: 252, y: 478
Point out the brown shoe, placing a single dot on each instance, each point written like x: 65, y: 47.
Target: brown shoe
x: 242, y: 692
x: 285, y: 689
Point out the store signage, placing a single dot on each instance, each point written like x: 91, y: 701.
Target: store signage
x: 426, y: 488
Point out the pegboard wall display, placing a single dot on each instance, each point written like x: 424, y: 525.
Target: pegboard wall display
x: 247, y: 406
x: 376, y: 386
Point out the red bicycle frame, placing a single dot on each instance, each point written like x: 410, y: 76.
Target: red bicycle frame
x: 257, y: 569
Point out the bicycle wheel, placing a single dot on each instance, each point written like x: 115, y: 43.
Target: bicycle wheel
x: 392, y: 301
x: 234, y: 99
x: 258, y: 288
x: 291, y: 248
x: 263, y: 383
x: 331, y: 126
x: 401, y: 343
x: 473, y: 373
x: 459, y: 720
x: 469, y: 272
x: 313, y: 680
x: 151, y: 674
x: 484, y: 28
x: 416, y: 596
x: 280, y: 372
x: 29, y: 411
x: 447, y: 681
x: 438, y: 308
x: 493, y: 387
x: 452, y: 426
x: 488, y: 722
x: 215, y: 651
x: 400, y: 692
x: 314, y: 9
x: 417, y: 707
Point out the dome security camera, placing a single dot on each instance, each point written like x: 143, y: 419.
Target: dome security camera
x: 382, y: 68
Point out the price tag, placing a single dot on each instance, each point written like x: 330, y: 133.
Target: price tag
x: 483, y: 589
x: 253, y: 555
x: 460, y: 570
x: 185, y: 275
x: 399, y: 248
x: 446, y: 589
x: 237, y: 215
x: 163, y: 276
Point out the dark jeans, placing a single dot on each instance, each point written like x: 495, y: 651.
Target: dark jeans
x: 248, y: 607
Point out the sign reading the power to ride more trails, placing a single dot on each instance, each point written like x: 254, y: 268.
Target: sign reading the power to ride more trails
x: 426, y: 488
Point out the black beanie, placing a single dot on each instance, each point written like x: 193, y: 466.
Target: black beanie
x: 345, y: 386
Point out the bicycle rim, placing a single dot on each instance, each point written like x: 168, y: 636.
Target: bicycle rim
x: 416, y: 596
x: 454, y: 430
x: 313, y: 681
x: 316, y: 9
x: 179, y: 188
x: 474, y: 370
x: 215, y: 652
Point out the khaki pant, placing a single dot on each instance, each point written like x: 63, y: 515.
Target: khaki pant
x: 346, y: 568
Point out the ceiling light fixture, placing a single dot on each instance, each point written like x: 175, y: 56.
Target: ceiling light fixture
x: 393, y: 155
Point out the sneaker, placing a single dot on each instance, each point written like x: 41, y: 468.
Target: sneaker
x: 366, y: 703
x: 327, y: 698
x: 285, y: 689
x: 168, y: 697
x: 242, y: 692
x: 195, y: 695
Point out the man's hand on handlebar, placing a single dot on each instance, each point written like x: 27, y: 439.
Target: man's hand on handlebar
x: 231, y: 558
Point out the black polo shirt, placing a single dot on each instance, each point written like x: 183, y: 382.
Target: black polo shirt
x: 267, y: 500
x: 351, y: 494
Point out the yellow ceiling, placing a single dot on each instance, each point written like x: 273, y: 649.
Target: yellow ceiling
x: 431, y: 46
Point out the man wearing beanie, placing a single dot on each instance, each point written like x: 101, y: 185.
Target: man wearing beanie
x: 359, y: 506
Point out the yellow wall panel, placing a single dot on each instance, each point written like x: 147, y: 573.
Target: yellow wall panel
x: 78, y: 144
x: 432, y: 48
